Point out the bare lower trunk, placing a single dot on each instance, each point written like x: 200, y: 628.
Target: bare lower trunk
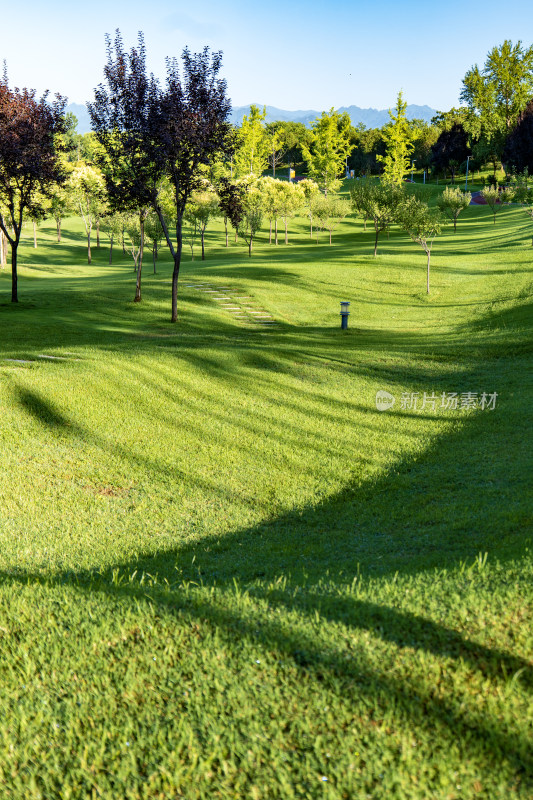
x: 154, y: 248
x: 427, y: 283
x: 276, y: 230
x: 14, y: 277
x: 330, y: 237
x: 58, y: 225
x: 176, y: 272
x: 202, y: 231
x: 250, y: 246
x: 111, y: 249
x: 138, y: 297
x: 376, y: 244
x: 88, y: 245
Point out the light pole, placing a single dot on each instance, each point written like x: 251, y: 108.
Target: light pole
x: 466, y: 181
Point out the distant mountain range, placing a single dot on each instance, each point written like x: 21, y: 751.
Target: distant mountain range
x: 370, y: 117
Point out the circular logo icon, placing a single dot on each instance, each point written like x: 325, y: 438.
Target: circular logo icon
x: 384, y: 400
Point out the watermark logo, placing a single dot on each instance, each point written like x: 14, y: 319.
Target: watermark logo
x: 438, y: 403
x: 384, y: 400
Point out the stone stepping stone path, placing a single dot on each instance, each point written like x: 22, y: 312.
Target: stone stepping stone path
x: 240, y: 306
x: 45, y: 356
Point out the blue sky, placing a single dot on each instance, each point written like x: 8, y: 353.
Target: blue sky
x: 294, y: 55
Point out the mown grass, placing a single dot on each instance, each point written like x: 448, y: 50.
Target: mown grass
x: 225, y: 573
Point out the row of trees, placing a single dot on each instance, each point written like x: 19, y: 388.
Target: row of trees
x: 157, y: 154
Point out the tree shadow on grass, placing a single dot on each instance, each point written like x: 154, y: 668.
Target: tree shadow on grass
x: 462, y: 496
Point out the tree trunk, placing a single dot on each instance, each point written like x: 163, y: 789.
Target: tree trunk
x: 276, y: 230
x: 202, y: 231
x: 14, y: 288
x: 427, y: 283
x: 154, y: 248
x: 58, y: 224
x: 138, y: 297
x: 34, y: 234
x: 376, y: 243
x: 176, y: 271
x: 250, y: 246
x: 455, y: 224
x: 273, y: 163
x: 330, y: 237
x: 89, y: 244
x: 111, y: 249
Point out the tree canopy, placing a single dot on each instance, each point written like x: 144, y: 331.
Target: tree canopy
x: 30, y: 166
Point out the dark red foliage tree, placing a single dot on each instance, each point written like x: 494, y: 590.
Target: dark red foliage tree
x: 30, y: 167
x: 149, y: 133
x: 450, y: 149
x: 518, y: 150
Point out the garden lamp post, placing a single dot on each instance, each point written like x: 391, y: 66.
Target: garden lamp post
x: 344, y: 314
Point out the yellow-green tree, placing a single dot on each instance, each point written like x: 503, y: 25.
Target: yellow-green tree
x: 398, y: 138
x: 253, y: 145
x: 326, y: 154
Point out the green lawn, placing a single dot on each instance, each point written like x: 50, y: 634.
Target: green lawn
x: 225, y: 573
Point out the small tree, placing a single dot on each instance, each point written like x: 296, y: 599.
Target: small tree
x: 452, y: 201
x: 290, y: 199
x: 113, y: 223
x: 30, y: 167
x: 252, y: 217
x: 58, y: 208
x: 377, y: 202
x: 87, y: 192
x: 422, y: 224
x: 329, y: 212
x: 271, y: 202
x: 495, y: 199
x: 397, y: 136
x: 202, y: 207
x: 154, y: 233
x: 310, y: 190
x: 276, y: 149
